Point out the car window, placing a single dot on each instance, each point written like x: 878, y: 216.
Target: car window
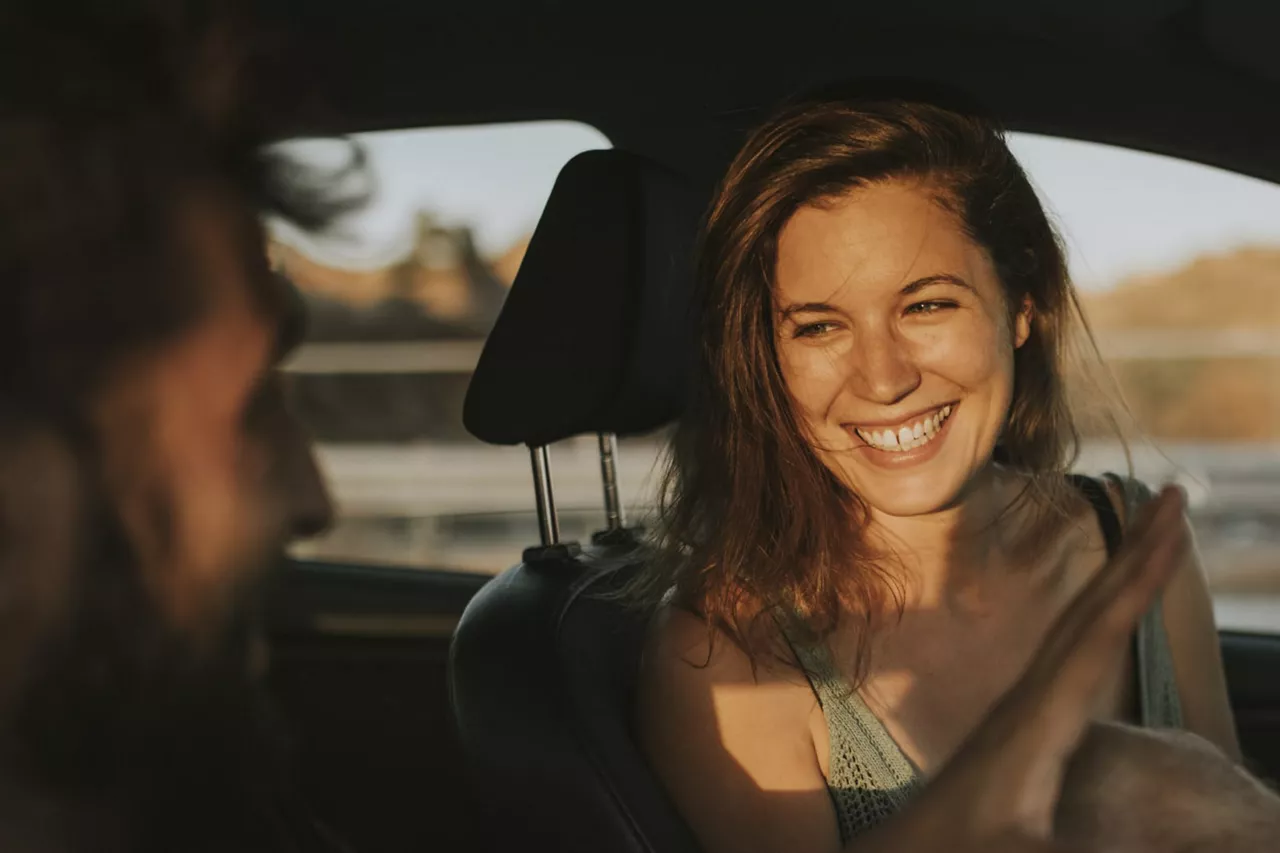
x: 400, y: 298
x: 1178, y: 266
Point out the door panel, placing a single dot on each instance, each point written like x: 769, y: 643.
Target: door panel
x: 359, y: 657
x: 1253, y: 678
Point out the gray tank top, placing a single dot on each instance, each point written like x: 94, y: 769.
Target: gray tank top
x: 870, y: 778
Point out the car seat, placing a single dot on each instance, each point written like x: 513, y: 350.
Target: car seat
x: 593, y: 338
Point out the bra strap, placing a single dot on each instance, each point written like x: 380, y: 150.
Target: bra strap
x: 1100, y: 499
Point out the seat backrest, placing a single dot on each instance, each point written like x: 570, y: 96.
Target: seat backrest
x: 543, y: 678
x: 593, y: 338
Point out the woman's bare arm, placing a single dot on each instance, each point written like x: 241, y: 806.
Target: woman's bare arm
x: 1197, y: 654
x: 736, y: 755
x: 1193, y: 643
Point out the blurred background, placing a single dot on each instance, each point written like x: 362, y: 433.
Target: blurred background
x: 1178, y: 266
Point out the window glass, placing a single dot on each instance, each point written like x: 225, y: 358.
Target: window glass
x: 400, y: 298
x: 1178, y: 266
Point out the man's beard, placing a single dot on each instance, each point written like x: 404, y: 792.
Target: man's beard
x: 123, y: 727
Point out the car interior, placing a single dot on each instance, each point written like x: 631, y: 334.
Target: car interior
x: 433, y: 708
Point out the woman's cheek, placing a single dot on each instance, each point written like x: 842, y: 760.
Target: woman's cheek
x: 814, y: 375
x: 965, y: 352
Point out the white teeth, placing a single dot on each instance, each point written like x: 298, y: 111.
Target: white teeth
x: 908, y: 438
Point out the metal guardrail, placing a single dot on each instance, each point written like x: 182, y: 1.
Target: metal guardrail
x: 461, y: 356
x: 1159, y: 344
x: 386, y: 357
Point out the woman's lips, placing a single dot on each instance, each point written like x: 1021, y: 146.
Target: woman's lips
x: 895, y: 458
x: 918, y: 429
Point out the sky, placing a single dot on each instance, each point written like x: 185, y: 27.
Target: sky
x: 1120, y: 211
x: 495, y: 178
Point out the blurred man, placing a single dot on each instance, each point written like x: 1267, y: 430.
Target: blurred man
x: 1133, y: 790
x: 150, y: 473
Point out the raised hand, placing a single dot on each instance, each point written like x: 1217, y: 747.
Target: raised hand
x: 1000, y: 790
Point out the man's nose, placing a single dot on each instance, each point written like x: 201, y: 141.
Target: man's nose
x: 883, y: 369
x: 311, y: 510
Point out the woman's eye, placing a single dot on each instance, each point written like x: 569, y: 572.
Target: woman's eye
x: 929, y: 307
x: 812, y: 330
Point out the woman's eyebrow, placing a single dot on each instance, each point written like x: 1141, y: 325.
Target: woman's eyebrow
x: 912, y: 287
x: 808, y: 308
x: 941, y: 278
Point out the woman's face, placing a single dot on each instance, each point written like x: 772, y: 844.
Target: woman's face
x: 895, y: 341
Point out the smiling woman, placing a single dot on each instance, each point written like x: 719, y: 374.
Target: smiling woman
x: 870, y: 490
x: 863, y: 265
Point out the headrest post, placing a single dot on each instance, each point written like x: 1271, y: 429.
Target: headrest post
x: 548, y: 522
x: 613, y: 512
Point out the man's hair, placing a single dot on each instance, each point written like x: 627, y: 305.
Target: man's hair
x: 112, y: 114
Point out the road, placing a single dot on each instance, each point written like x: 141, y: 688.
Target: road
x: 471, y: 507
x: 1249, y: 613
x: 411, y: 480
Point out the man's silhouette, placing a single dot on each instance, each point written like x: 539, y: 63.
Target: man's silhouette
x: 150, y: 472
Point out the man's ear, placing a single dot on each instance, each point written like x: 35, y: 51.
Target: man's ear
x: 1022, y: 322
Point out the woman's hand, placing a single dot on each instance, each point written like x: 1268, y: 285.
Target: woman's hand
x: 1000, y: 790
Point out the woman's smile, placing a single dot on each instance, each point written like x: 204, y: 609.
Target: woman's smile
x: 912, y: 442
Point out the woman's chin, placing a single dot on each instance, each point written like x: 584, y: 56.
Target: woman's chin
x: 912, y: 491
x: 910, y: 502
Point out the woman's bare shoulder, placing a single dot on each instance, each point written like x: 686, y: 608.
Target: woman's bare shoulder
x: 702, y: 709
x: 681, y: 646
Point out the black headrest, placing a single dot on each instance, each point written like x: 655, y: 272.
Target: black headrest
x: 595, y: 334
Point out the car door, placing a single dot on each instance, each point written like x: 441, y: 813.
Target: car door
x: 359, y: 656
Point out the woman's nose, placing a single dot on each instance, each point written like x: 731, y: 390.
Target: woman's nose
x: 884, y: 370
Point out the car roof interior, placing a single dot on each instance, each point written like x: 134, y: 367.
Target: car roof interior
x: 1197, y: 79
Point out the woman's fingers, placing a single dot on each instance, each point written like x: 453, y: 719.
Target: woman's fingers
x: 1014, y: 763
x: 1078, y: 653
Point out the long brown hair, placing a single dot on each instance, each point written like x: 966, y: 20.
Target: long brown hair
x: 752, y: 523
